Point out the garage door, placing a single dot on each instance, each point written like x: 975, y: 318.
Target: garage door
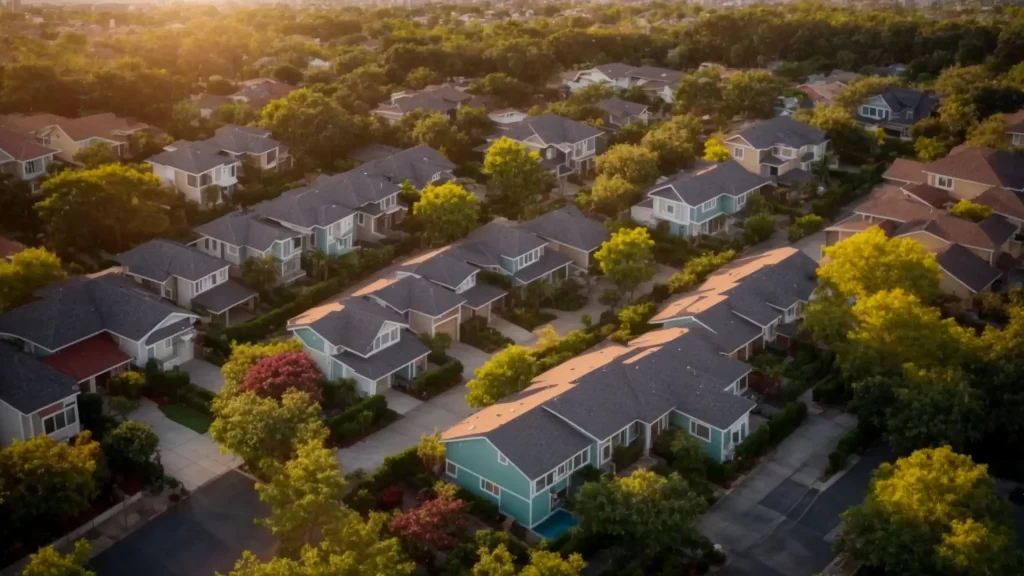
x: 450, y: 327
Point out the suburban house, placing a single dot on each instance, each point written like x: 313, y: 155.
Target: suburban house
x: 69, y: 135
x: 896, y: 110
x: 506, y: 116
x: 782, y: 149
x: 822, y: 92
x: 198, y: 170
x: 749, y: 303
x: 188, y: 277
x: 444, y: 98
x: 509, y: 249
x: 619, y: 113
x: 315, y: 213
x: 363, y: 340
x: 427, y: 307
x: 420, y: 165
x: 565, y: 146
x: 257, y: 93
x: 241, y: 235
x: 23, y: 157
x: 571, y: 233
x: 1015, y: 128
x: 253, y: 146
x: 525, y: 452
x: 90, y: 328
x: 660, y: 82
x: 707, y: 199
x: 35, y: 399
x: 445, y: 268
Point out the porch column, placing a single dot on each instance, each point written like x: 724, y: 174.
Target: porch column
x: 647, y: 439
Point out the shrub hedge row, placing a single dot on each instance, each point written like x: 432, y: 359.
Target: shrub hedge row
x: 775, y: 430
x: 430, y: 384
x: 359, y: 418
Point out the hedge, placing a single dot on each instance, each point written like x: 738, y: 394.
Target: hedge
x: 856, y: 441
x: 358, y: 419
x: 429, y: 384
x: 775, y: 430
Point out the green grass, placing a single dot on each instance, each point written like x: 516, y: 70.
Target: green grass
x: 187, y: 417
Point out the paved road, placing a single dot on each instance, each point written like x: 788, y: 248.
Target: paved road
x: 205, y: 533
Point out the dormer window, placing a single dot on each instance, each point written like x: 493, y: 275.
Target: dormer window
x: 388, y: 202
x: 386, y: 338
x: 527, y: 259
x: 551, y: 153
x: 709, y: 205
x: 944, y: 182
x: 466, y: 284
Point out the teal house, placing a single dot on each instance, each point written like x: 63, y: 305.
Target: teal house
x: 525, y: 452
x: 705, y: 200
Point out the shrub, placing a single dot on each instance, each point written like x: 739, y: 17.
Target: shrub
x: 439, y: 344
x: 625, y: 455
x: 478, y: 334
x: 429, y: 384
x: 128, y: 384
x: 337, y: 395
x: 90, y: 413
x: 129, y: 449
x: 698, y: 269
x: 660, y: 293
x: 758, y: 228
x: 481, y: 507
x: 805, y: 226
x: 567, y: 295
x: 358, y: 419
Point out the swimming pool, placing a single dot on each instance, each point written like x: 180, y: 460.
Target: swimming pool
x: 555, y: 525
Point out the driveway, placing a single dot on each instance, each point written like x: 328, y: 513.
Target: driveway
x: 204, y: 374
x: 471, y: 358
x: 204, y: 534
x: 518, y: 334
x: 780, y: 520
x: 193, y: 458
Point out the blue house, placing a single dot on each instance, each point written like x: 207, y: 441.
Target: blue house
x: 525, y: 452
x: 705, y: 200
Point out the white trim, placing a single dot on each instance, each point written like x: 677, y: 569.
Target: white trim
x: 497, y: 489
x: 502, y: 459
x: 963, y: 180
x: 693, y: 424
x: 570, y: 423
x: 513, y: 464
x: 972, y: 290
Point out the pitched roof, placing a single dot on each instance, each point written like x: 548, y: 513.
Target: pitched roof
x: 706, y: 182
x: 9, y: 247
x: 964, y: 265
x: 315, y: 205
x: 159, y: 259
x: 353, y: 323
x: 930, y: 195
x: 88, y: 358
x: 989, y: 234
x: 549, y: 129
x: 105, y: 125
x: 900, y: 100
x: 27, y: 384
x: 1002, y: 201
x: 438, y: 98
x: 372, y: 152
x: 243, y: 139
x: 893, y: 204
x: 781, y: 130
x: 242, y: 228
x: 981, y: 165
x: 442, y: 266
x: 191, y: 157
x: 619, y: 107
x: 1014, y: 122
x: 223, y: 297
x: 412, y: 293
x: 905, y: 170
x: 408, y: 349
x: 22, y: 148
x: 418, y: 165
x: 487, y: 244
x: 75, y: 310
x: 571, y: 227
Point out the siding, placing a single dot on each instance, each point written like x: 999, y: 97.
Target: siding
x: 751, y: 158
x: 480, y: 457
x: 10, y: 424
x: 950, y: 285
x: 508, y: 264
x: 712, y: 448
x: 700, y: 215
x: 420, y: 323
x: 580, y: 258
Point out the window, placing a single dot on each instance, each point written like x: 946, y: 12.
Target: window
x: 502, y: 459
x: 451, y: 469
x: 60, y: 420
x: 700, y: 431
x: 272, y: 156
x: 33, y: 166
x: 202, y: 284
x: 222, y: 275
x: 769, y: 332
x: 191, y: 180
x: 621, y: 438
x: 527, y: 259
x: 606, y: 452
x: 784, y: 152
x: 166, y: 345
x: 388, y: 202
x: 435, y: 177
x: 742, y: 200
x: 550, y: 153
x: 296, y: 243
x: 736, y: 437
x: 205, y: 179
x: 466, y: 284
x: 709, y: 205
x: 669, y: 207
x: 737, y: 152
x: 360, y: 218
x: 490, y: 487
x: 562, y: 469
x: 874, y: 112
x: 741, y: 385
x: 386, y: 338
x: 944, y: 182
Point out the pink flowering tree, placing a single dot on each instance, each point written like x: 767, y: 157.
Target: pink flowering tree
x: 435, y: 523
x: 271, y: 377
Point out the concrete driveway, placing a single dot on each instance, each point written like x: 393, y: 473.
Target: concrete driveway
x: 204, y: 534
x: 471, y: 358
x: 519, y: 335
x: 780, y: 520
x: 204, y: 374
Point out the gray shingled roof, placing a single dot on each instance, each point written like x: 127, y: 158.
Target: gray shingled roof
x: 28, y: 384
x: 418, y: 165
x: 423, y: 296
x: 243, y: 139
x: 191, y: 157
x: 388, y: 360
x: 482, y: 294
x: 77, y: 310
x: 242, y: 228
x: 166, y: 332
x: 901, y: 99
x: 305, y: 207
x: 160, y: 259
x: 356, y: 325
x: 967, y: 267
x: 499, y: 237
x: 782, y: 130
x: 570, y: 227
x: 550, y: 129
x: 447, y: 269
x: 697, y: 186
x: 620, y: 107
x: 538, y: 441
x: 550, y: 261
x: 223, y: 297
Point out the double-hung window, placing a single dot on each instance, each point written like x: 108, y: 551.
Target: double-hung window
x: 192, y: 180
x: 709, y: 205
x: 33, y: 166
x: 700, y: 430
x: 737, y: 152
x: 60, y: 420
x: 606, y: 451
x: 944, y: 182
x: 490, y: 487
x: 742, y: 200
x: 527, y: 259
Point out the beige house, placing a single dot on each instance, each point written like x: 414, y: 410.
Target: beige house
x: 782, y: 149
x: 23, y: 157
x: 69, y: 135
x: 571, y: 233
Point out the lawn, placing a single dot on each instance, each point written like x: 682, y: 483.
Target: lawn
x: 187, y: 417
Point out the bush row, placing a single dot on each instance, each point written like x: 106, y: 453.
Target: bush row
x: 775, y: 430
x: 429, y: 384
x: 358, y: 419
x: 856, y: 441
x: 478, y: 334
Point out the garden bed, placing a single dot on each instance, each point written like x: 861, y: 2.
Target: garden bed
x: 188, y: 417
x: 526, y: 318
x: 478, y: 334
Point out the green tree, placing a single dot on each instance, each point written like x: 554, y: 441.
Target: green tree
x: 314, y: 127
x: 288, y: 74
x: 431, y: 451
x: 752, y: 94
x: 130, y: 447
x: 715, y: 150
x: 929, y: 149
x: 627, y: 259
x: 26, y: 272
x: 507, y: 372
x: 105, y: 209
x: 544, y: 563
x: 305, y: 498
x: 634, y: 164
x: 265, y: 432
x: 933, y: 512
x: 245, y: 356
x: 869, y: 262
x: 962, y: 80
x: 448, y: 212
x: 971, y: 210
x: 260, y: 274
x: 95, y: 155
x: 49, y: 562
x: 612, y: 194
x: 421, y: 77
x: 758, y: 228
x: 237, y: 113
x: 846, y: 137
x: 494, y: 562
x: 699, y: 94
x: 989, y: 133
x: 506, y: 90
x: 934, y: 408
x: 959, y: 114
x: 863, y: 88
x: 185, y: 119
x: 676, y: 142
x: 516, y: 174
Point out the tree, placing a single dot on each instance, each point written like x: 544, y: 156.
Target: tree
x: 305, y: 498
x: 288, y: 74
x: 697, y: 269
x: 276, y: 375
x: 421, y: 77
x: 651, y: 516
x: 105, y: 209
x: 934, y: 408
x: 846, y: 137
x: 495, y: 561
x: 933, y: 512
x: 185, y: 119
x: 758, y: 228
x: 448, y: 212
x: 676, y: 142
x: 95, y: 155
x: 260, y: 274
x: 989, y: 133
x: 431, y: 451
x: 49, y: 562
x: 130, y: 447
x: 507, y: 372
x: 506, y: 90
x: 959, y: 114
x: 612, y: 194
x: 863, y: 88
x: 869, y: 262
x: 805, y: 226
x: 18, y: 217
x: 715, y: 150
x: 752, y: 94
x: 25, y: 273
x: 433, y: 524
x: 958, y: 80
x: 313, y: 126
x: 237, y: 113
x: 123, y: 406
x: 929, y: 149
x: 626, y: 259
x: 544, y: 563
x: 245, y: 356
x: 263, y: 431
x: 46, y: 483
x: 516, y: 174
x: 971, y: 210
x: 634, y: 164
x: 699, y: 94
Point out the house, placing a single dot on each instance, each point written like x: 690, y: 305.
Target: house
x: 444, y: 98
x: 565, y: 146
x: 420, y: 166
x: 511, y: 250
x: 363, y: 340
x: 619, y: 113
x: 782, y: 149
x: 256, y: 93
x: 315, y: 212
x: 749, y: 303
x: 23, y: 157
x: 426, y: 306
x: 1015, y: 128
x: 896, y: 110
x: 253, y: 146
x: 188, y: 277
x: 707, y: 199
x: 571, y: 233
x: 35, y: 399
x: 198, y: 170
x: 318, y: 64
x: 837, y: 75
x: 822, y: 92
x: 525, y: 453
x: 241, y: 235
x: 91, y: 327
x: 445, y: 268
x: 69, y: 135
x: 660, y: 82
x: 507, y: 116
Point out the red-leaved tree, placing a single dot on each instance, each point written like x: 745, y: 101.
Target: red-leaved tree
x: 435, y: 523
x: 271, y: 377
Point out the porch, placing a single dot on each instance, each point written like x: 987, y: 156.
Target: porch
x: 220, y: 300
x: 172, y: 345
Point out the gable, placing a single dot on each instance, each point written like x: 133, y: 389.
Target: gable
x: 878, y: 102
